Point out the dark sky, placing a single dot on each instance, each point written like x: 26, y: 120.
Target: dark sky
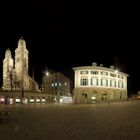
x: 60, y: 35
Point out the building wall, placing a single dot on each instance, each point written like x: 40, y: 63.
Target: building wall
x: 89, y: 95
x: 43, y: 98
x: 108, y: 84
x: 56, y: 83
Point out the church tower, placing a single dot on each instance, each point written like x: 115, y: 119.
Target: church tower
x: 21, y: 60
x: 7, y: 70
x: 15, y: 72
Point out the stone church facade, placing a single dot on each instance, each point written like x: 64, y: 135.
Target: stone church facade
x: 15, y: 72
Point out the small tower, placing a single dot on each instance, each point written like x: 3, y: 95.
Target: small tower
x: 7, y: 70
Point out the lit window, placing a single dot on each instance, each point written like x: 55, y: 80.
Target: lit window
x: 43, y: 100
x: 17, y: 100
x: 93, y: 97
x: 32, y: 100
x: 38, y: 100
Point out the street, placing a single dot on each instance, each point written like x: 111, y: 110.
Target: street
x: 114, y: 121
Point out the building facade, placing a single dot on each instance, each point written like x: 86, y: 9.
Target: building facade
x: 56, y: 83
x: 15, y: 73
x: 97, y: 83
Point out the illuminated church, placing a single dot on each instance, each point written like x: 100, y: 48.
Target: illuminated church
x: 15, y: 72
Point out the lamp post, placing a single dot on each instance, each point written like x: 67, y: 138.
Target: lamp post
x: 46, y: 78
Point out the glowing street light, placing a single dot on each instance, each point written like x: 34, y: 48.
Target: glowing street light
x: 116, y: 71
x: 47, y: 73
x: 46, y: 80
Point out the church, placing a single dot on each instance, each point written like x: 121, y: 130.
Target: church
x: 15, y: 71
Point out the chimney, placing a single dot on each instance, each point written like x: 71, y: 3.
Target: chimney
x: 94, y: 64
x: 101, y: 65
x: 112, y: 67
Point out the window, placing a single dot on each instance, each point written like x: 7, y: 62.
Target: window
x: 113, y: 83
x: 101, y: 82
x: 94, y: 72
x: 120, y: 76
x: 55, y: 84
x: 94, y: 81
x: 83, y: 72
x: 112, y: 75
x: 120, y: 84
x: 104, y: 73
x: 110, y: 83
x: 97, y: 81
x: 84, y: 81
x: 104, y: 82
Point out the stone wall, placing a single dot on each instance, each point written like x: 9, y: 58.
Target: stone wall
x: 91, y: 95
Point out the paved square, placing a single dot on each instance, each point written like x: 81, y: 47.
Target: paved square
x: 115, y: 121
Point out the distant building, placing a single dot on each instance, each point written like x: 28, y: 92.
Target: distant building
x: 98, y: 83
x: 15, y: 74
x: 56, y: 83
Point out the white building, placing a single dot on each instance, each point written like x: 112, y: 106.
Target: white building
x: 15, y: 74
x: 98, y: 83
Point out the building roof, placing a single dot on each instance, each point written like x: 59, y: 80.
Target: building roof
x: 99, y: 68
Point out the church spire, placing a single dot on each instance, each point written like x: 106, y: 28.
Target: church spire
x: 21, y: 43
x: 21, y: 37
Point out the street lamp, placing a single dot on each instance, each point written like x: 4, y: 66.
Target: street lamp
x: 45, y: 78
x: 47, y: 73
x: 116, y: 71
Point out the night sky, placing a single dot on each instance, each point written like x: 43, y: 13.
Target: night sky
x: 62, y: 35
